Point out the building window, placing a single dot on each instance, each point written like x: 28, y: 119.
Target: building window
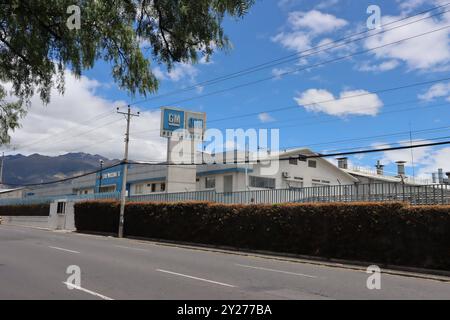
x: 153, y: 187
x: 293, y: 161
x: 139, y: 189
x: 210, y: 183
x: 163, y: 187
x: 260, y: 182
x: 107, y: 189
x: 61, y: 208
x: 312, y: 163
x: 295, y: 184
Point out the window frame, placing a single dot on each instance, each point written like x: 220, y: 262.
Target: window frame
x: 255, y: 182
x: 310, y: 162
x: 213, y: 185
x: 61, y: 207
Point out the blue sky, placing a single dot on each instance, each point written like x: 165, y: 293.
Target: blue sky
x: 272, y: 30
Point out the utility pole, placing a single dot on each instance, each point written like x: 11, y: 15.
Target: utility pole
x: 1, y: 170
x: 412, y: 153
x: 101, y: 177
x: 123, y: 194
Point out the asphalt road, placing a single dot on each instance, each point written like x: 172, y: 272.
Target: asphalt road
x: 33, y: 265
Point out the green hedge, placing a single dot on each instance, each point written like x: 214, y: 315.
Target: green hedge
x: 34, y: 210
x: 97, y: 216
x: 391, y: 233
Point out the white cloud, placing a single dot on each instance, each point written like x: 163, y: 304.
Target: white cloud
x: 426, y: 159
x: 437, y: 159
x: 315, y: 21
x: 305, y: 27
x: 427, y: 53
x: 62, y: 126
x: 381, y: 67
x: 296, y: 41
x: 279, y: 72
x: 327, y: 4
x: 420, y: 154
x: 350, y: 102
x: 180, y: 71
x: 287, y: 4
x: 265, y: 117
x: 409, y: 5
x: 438, y: 90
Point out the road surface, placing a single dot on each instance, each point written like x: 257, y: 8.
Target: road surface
x: 33, y: 265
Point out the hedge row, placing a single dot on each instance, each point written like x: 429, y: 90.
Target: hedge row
x: 391, y: 233
x: 32, y: 210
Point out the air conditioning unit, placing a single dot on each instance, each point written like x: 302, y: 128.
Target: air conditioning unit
x: 285, y: 175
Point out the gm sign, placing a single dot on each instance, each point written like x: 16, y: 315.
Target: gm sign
x: 190, y: 125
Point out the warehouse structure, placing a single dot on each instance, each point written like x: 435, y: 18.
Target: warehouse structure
x: 219, y: 175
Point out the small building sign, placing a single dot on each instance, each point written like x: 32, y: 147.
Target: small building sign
x: 187, y: 124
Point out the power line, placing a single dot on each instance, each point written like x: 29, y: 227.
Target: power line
x: 328, y: 155
x: 243, y: 85
x: 386, y: 144
x: 290, y: 107
x: 103, y: 115
x: 298, y: 55
x: 340, y: 58
x: 300, y: 156
x: 310, y: 123
x: 65, y: 179
x: 380, y: 114
x: 292, y: 148
x: 400, y: 133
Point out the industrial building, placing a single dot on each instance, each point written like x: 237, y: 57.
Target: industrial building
x: 224, y: 176
x: 223, y: 173
x: 218, y: 175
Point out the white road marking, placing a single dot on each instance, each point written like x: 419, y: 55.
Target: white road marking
x: 279, y: 271
x: 195, y: 278
x: 87, y: 291
x: 137, y: 249
x: 62, y: 249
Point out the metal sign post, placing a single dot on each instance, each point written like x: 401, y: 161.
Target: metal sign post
x: 182, y: 129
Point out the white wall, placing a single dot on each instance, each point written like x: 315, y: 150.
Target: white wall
x: 62, y: 221
x: 14, y: 194
x: 35, y: 222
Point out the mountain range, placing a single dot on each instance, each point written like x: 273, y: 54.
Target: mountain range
x: 20, y: 170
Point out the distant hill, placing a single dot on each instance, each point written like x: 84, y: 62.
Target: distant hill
x: 19, y: 169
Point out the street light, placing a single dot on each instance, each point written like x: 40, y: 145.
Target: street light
x: 101, y: 176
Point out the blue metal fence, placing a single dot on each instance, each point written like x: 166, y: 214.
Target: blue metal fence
x: 380, y: 192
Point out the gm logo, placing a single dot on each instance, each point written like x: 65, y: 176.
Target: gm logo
x: 174, y: 120
x: 195, y: 123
